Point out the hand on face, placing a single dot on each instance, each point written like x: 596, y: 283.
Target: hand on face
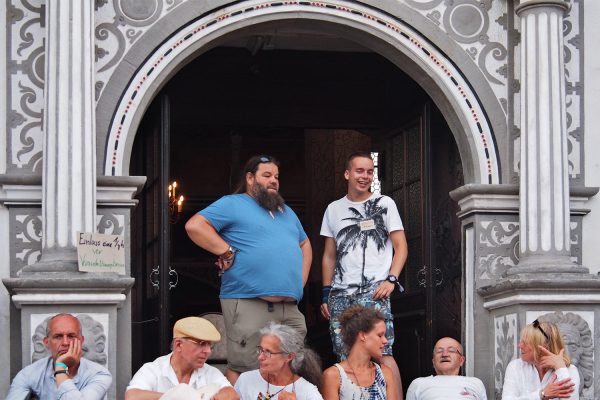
x: 559, y: 389
x: 73, y: 354
x: 549, y: 360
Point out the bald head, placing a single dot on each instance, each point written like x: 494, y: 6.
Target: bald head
x: 448, y: 356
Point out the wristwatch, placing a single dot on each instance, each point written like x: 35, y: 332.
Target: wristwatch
x: 61, y: 371
x: 228, y: 254
x: 392, y: 278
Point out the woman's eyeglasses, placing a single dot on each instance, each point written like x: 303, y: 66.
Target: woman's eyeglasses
x: 536, y: 324
x: 267, y: 353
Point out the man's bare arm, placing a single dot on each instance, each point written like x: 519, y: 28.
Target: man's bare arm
x: 398, y: 239
x: 327, y: 269
x: 139, y: 394
x: 200, y: 230
x: 307, y: 255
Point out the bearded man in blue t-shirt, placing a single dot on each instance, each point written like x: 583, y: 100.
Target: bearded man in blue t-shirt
x: 264, y: 256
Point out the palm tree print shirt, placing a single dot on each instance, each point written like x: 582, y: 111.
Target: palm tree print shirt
x: 361, y: 233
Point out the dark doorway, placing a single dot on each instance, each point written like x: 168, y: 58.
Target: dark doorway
x: 309, y: 109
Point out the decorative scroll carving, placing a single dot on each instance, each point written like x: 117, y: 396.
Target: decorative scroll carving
x: 27, y: 243
x: 505, y: 338
x: 27, y: 232
x: 110, y: 224
x: 25, y: 84
x: 473, y: 24
x: 498, y: 248
x: 119, y: 24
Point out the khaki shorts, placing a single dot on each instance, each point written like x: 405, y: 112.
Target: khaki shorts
x: 244, y: 318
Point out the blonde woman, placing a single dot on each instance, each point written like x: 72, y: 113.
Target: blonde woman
x: 544, y: 371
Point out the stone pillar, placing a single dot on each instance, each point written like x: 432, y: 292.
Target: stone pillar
x: 69, y: 174
x: 544, y: 184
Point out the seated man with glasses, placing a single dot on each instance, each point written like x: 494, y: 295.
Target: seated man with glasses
x: 193, y: 338
x: 447, y: 383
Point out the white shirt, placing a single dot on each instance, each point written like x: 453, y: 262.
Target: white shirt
x: 522, y: 381
x: 349, y: 223
x: 251, y: 383
x: 446, y: 387
x: 159, y: 376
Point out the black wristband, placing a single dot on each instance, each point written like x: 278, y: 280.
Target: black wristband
x: 325, y: 294
x: 61, y: 371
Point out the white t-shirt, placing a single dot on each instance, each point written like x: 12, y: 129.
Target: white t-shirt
x: 251, y: 383
x: 446, y: 387
x: 361, y: 233
x: 159, y: 376
x: 522, y: 381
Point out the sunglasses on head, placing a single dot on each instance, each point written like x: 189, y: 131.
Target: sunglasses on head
x: 536, y: 324
x: 265, y: 159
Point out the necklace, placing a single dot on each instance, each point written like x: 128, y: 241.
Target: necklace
x: 270, y: 396
x: 362, y: 389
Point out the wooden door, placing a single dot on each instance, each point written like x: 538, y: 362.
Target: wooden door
x: 415, y: 174
x: 151, y: 245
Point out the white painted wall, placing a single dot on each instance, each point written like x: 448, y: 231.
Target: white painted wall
x: 591, y: 222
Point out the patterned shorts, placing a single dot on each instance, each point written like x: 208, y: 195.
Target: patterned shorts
x: 339, y: 301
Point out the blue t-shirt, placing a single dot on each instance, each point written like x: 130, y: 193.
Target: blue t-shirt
x: 269, y: 259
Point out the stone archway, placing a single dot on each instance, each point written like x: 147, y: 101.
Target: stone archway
x: 384, y: 34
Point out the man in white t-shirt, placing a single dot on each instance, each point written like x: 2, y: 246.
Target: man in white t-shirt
x: 193, y: 338
x: 365, y: 251
x: 447, y: 384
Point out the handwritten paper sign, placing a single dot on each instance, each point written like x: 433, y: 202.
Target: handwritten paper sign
x: 100, y: 253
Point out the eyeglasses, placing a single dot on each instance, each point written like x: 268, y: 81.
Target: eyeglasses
x: 536, y: 324
x: 199, y: 343
x: 267, y: 353
x: 451, y: 350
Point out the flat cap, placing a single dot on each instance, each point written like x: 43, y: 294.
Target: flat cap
x: 196, y: 328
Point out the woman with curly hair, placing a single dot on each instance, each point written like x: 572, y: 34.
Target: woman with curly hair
x: 358, y: 377
x: 287, y: 370
x: 544, y: 370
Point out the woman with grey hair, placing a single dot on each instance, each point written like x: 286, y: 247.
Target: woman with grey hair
x: 287, y: 369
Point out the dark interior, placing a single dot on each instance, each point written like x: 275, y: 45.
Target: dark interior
x: 309, y: 109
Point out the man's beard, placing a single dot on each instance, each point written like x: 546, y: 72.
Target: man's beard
x: 272, y: 201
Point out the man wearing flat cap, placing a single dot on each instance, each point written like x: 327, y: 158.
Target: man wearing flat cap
x: 193, y: 338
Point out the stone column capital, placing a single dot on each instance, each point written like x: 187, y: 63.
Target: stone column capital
x: 529, y: 4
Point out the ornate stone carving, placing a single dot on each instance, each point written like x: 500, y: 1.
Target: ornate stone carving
x: 480, y: 28
x: 27, y: 232
x: 505, y: 339
x: 25, y: 84
x: 497, y: 248
x: 110, y: 224
x: 579, y: 343
x: 573, y: 38
x: 119, y: 24
x: 94, y: 345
